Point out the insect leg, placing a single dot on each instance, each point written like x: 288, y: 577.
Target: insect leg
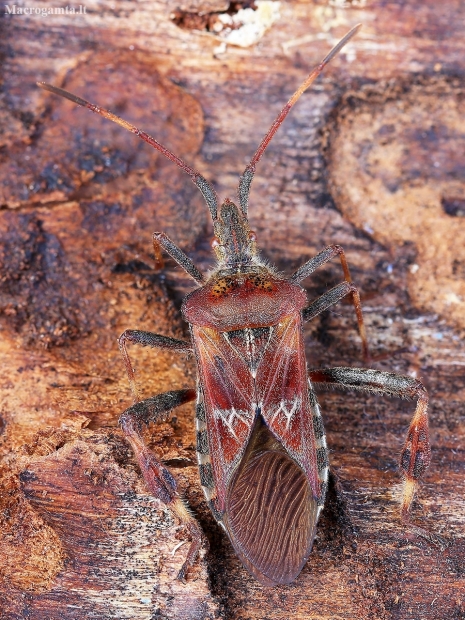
x: 328, y: 299
x: 317, y: 261
x: 160, y: 240
x: 146, y: 339
x: 158, y: 478
x: 416, y: 454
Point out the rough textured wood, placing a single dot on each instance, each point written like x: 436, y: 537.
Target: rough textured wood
x: 371, y: 159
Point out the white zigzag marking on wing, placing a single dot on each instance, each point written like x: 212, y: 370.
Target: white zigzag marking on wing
x: 229, y: 417
x: 287, y: 409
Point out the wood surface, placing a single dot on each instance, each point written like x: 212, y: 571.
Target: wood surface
x: 371, y: 158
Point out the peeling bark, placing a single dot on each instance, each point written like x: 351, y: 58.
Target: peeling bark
x: 370, y: 159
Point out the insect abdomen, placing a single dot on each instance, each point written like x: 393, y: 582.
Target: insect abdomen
x: 321, y: 448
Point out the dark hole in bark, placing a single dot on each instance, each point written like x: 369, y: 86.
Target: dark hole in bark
x: 453, y: 206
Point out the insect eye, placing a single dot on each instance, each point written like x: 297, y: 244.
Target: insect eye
x: 252, y: 235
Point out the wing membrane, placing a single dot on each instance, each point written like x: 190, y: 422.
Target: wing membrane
x: 271, y: 517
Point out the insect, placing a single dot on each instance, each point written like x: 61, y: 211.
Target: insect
x: 261, y: 444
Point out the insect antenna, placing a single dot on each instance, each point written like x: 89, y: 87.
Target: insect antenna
x: 206, y: 189
x: 248, y: 174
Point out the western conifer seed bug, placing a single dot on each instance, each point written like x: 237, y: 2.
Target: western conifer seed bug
x: 261, y: 444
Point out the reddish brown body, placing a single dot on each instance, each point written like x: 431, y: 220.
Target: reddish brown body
x: 261, y: 444
x: 265, y: 487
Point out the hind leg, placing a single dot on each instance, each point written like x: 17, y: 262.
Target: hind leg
x: 157, y: 477
x: 416, y: 453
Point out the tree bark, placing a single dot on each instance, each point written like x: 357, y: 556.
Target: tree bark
x: 371, y: 158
